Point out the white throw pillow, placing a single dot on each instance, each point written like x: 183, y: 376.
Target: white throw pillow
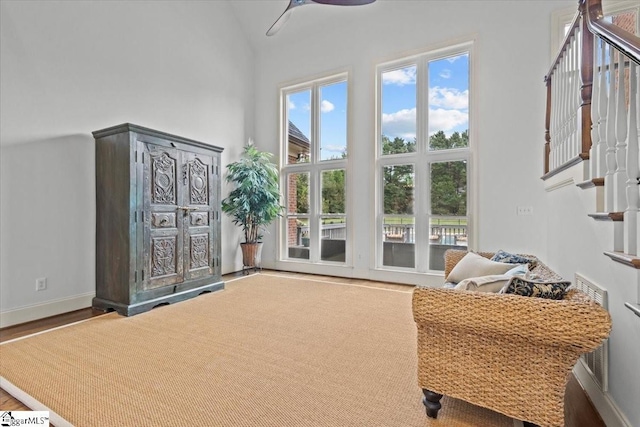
x: 474, y: 265
x: 518, y: 270
x: 492, y: 283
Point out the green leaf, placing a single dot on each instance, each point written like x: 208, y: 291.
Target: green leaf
x: 254, y: 203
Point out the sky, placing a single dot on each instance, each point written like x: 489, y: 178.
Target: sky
x: 333, y: 117
x: 448, y: 106
x: 448, y: 95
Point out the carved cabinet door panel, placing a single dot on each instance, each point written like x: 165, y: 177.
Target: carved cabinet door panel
x: 199, y: 215
x: 157, y: 218
x: 163, y: 239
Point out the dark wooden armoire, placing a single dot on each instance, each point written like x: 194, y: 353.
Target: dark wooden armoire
x: 157, y: 218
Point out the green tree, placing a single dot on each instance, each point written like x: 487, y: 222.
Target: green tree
x: 398, y: 179
x: 439, y: 141
x: 449, y: 179
x: 397, y: 146
x: 333, y: 191
x: 302, y: 193
x: 398, y: 189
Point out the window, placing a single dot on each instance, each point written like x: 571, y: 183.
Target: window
x: 315, y: 172
x: 423, y: 159
x: 623, y: 13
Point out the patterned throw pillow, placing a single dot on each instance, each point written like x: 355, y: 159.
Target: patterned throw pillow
x: 502, y: 256
x: 550, y: 290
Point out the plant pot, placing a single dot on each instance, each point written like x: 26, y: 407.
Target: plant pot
x: 251, y: 254
x: 305, y: 242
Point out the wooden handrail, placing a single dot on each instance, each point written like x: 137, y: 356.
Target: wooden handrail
x: 578, y: 28
x: 624, y: 41
x: 633, y: 307
x: 588, y: 22
x: 563, y: 46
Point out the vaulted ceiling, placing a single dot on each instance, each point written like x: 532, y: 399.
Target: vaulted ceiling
x: 313, y: 20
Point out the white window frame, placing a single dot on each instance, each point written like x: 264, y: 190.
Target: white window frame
x: 423, y: 156
x: 314, y: 167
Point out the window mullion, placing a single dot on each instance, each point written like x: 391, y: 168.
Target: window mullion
x: 421, y: 196
x: 422, y: 106
x: 314, y: 180
x: 421, y: 193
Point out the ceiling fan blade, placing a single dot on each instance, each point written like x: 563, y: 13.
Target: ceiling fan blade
x: 279, y: 22
x: 294, y: 3
x: 285, y: 15
x: 344, y: 2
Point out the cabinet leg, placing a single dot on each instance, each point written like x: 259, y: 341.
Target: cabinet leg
x: 431, y: 402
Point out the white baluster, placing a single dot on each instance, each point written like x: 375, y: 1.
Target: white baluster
x: 567, y: 104
x: 576, y: 112
x: 552, y: 125
x: 558, y: 115
x: 553, y: 161
x: 633, y: 196
x: 620, y: 177
x: 595, y: 96
x: 635, y: 134
x: 559, y: 129
x: 610, y: 138
x: 565, y: 85
x: 602, y: 113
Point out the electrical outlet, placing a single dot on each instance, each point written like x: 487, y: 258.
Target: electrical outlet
x: 41, y: 284
x: 525, y: 210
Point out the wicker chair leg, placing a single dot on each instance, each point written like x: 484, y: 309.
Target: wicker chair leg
x: 431, y: 402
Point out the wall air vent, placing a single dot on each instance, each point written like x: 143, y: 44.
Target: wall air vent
x: 596, y: 361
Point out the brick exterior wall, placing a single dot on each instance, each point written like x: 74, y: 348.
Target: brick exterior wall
x: 292, y: 226
x: 627, y: 21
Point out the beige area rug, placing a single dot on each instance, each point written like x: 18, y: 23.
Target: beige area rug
x: 269, y: 350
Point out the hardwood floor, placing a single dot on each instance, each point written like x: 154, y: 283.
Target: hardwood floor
x: 579, y: 411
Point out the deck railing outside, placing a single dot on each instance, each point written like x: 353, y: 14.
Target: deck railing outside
x: 454, y: 235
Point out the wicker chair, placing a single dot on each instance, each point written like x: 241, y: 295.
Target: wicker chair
x: 508, y: 353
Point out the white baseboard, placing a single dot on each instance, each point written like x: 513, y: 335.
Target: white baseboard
x: 40, y: 311
x: 604, y: 404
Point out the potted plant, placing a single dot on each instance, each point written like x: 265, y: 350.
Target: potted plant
x: 254, y: 203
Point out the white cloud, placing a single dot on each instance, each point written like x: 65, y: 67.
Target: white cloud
x: 292, y: 105
x: 446, y: 120
x: 336, y: 148
x: 401, y: 77
x: 326, y: 106
x: 329, y: 151
x: 445, y: 74
x: 453, y: 59
x: 401, y: 123
x: 447, y: 97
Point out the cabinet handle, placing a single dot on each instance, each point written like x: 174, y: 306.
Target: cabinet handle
x: 187, y: 209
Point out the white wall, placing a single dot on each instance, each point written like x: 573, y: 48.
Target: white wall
x: 69, y: 68
x: 511, y: 59
x: 576, y: 244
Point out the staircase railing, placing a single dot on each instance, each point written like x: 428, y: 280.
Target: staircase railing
x: 593, y: 99
x: 569, y: 98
